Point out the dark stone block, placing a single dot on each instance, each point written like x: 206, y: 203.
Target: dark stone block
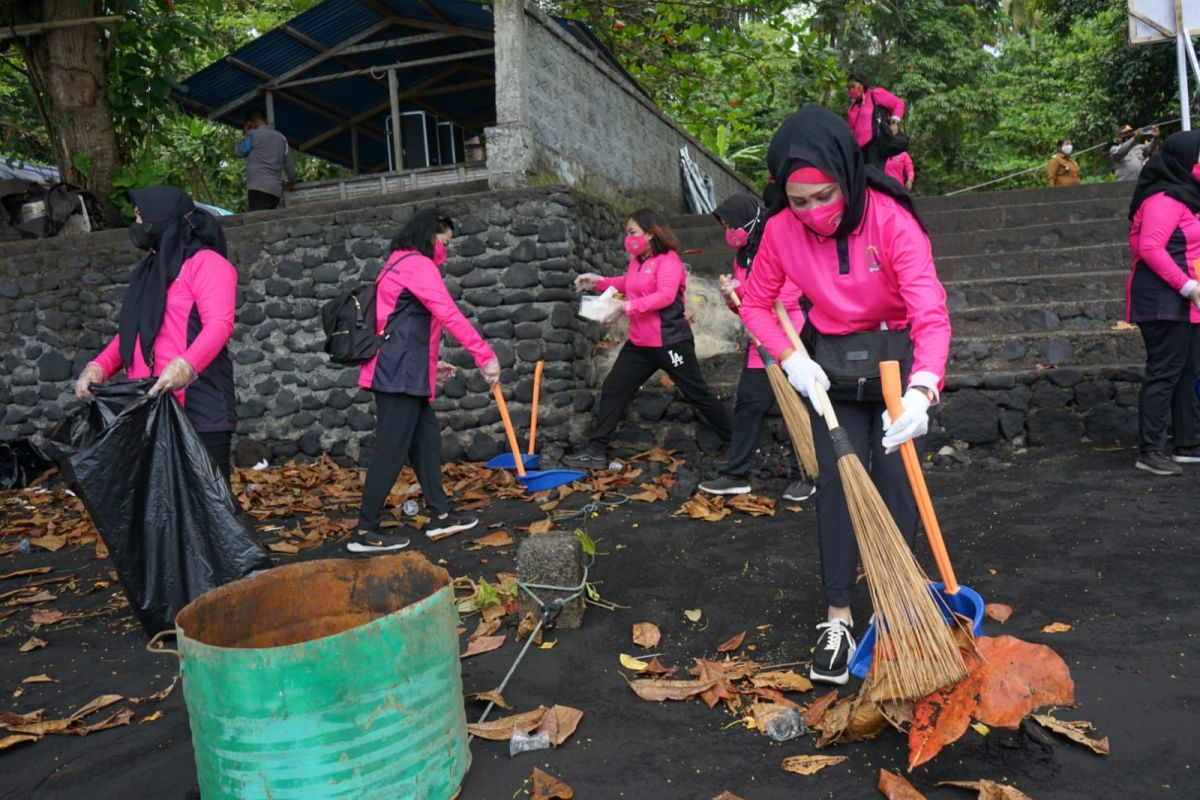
x: 560, y: 337
x: 560, y: 352
x: 551, y: 559
x: 1054, y: 427
x: 54, y: 367
x: 528, y: 330
x: 494, y: 261
x: 339, y: 399
x: 327, y: 273
x: 504, y: 353
x: 685, y: 484
x: 525, y: 251
x: 364, y: 249
x: 310, y: 402
x: 1056, y: 351
x: 478, y: 279
x: 558, y: 265
x: 245, y: 356
x: 303, y: 420
x: 1128, y: 394
x: 999, y: 381
x: 1047, y: 395
x: 470, y: 225
x: 304, y: 229
x: 483, y: 298
x: 523, y: 227
x: 360, y: 420
x: 286, y: 403
x: 1064, y: 377
x: 1097, y: 313
x: 1012, y: 423
x: 486, y: 315
x: 1016, y: 398
x: 248, y: 452
x: 974, y: 351
x: 277, y: 287
x: 555, y: 296
x: 501, y: 330
x: 310, y: 443
x: 518, y: 297
x: 562, y: 316
x: 557, y: 280
x: 468, y: 247
x: 1039, y: 320
x: 531, y: 351
x: 652, y: 407
x: 971, y: 416
x: 268, y: 387
x: 583, y: 402
x: 251, y: 409
x: 709, y: 441
x: 1013, y: 350
x: 1111, y: 423
x: 530, y: 313
x: 554, y: 230
x: 1093, y: 393
x: 521, y: 276
x: 482, y: 447
x: 53, y: 320
x: 278, y: 310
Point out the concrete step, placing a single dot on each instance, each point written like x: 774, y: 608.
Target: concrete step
x: 1100, y: 257
x: 1111, y: 190
x: 1031, y: 237
x: 1018, y: 216
x: 1053, y: 315
x: 1002, y: 379
x: 1014, y: 352
x: 1076, y: 286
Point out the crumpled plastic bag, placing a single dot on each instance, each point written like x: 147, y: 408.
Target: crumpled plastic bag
x: 21, y: 462
x: 173, y: 528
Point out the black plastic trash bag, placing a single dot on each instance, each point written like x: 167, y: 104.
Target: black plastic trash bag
x: 21, y: 462
x: 85, y: 422
x: 172, y: 526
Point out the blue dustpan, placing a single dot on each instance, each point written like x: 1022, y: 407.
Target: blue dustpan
x: 533, y: 480
x: 506, y: 461
x: 966, y: 602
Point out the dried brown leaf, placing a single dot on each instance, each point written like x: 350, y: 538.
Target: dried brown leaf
x: 151, y: 717
x: 159, y: 695
x: 33, y: 644
x: 789, y: 681
x: 895, y: 787
x: 97, y: 703
x: 501, y: 728
x: 548, y: 787
x: 117, y: 719
x: 33, y: 599
x: 1056, y: 627
x: 810, y: 765
x: 283, y: 547
x: 491, y: 696
x: 732, y: 643
x: 45, y: 616
x: 16, y: 739
x: 989, y: 790
x: 657, y: 690
x: 486, y: 627
x: 484, y: 644
x: 542, y: 526
x: 42, y: 678
x: 816, y: 711
x: 1076, y: 731
x: 559, y: 722
x: 21, y: 573
x: 496, y: 539
x: 42, y: 727
x: 9, y: 718
x: 646, y: 634
x: 998, y: 612
x: 51, y: 542
x: 727, y: 795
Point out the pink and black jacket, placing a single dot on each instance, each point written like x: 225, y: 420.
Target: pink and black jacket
x: 655, y: 294
x: 1164, y: 239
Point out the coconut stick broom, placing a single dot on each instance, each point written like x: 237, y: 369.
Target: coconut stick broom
x: 911, y: 634
x: 795, y: 415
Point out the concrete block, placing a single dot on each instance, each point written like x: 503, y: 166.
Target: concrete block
x: 552, y: 559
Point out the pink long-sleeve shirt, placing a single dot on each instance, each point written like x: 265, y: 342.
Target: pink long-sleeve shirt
x: 888, y: 280
x: 900, y: 167
x: 1164, y: 239
x: 790, y: 295
x: 861, y: 115
x: 655, y: 294
x: 207, y: 282
x: 418, y: 276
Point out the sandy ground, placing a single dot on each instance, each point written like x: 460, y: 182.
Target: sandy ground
x: 1078, y: 537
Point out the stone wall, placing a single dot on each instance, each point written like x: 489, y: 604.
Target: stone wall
x: 590, y: 126
x: 511, y: 268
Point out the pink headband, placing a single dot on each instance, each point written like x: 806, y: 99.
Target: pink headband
x: 810, y: 175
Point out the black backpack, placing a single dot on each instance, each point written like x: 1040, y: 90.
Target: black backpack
x: 889, y: 144
x: 349, y: 322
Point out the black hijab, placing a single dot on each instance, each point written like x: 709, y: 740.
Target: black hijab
x: 815, y: 136
x: 1170, y: 171
x: 743, y: 210
x: 175, y: 230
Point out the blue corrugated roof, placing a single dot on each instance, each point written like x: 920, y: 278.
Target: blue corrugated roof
x: 314, y: 117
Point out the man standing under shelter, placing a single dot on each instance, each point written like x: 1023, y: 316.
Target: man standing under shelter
x: 267, y: 153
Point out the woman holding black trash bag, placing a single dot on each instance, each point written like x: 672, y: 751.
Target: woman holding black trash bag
x: 848, y: 237
x: 411, y: 296
x: 177, y: 316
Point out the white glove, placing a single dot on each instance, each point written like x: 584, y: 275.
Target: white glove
x: 91, y: 375
x: 912, y: 423
x: 804, y: 374
x: 445, y: 371
x: 618, y: 311
x: 491, y: 372
x: 586, y: 281
x: 727, y: 286
x: 175, y: 376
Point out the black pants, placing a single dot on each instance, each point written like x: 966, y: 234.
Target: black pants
x: 262, y: 201
x: 218, y: 445
x: 754, y: 401
x: 872, y: 155
x: 839, y: 549
x: 1171, y: 349
x: 406, y: 432
x: 634, y: 366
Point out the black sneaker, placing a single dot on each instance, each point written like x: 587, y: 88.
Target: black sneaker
x: 586, y: 459
x: 835, y: 648
x: 450, y: 523
x: 800, y: 490
x: 1157, y: 464
x: 725, y: 485
x: 364, y: 541
x: 1186, y: 455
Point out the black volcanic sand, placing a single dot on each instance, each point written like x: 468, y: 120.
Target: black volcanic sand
x: 1078, y: 537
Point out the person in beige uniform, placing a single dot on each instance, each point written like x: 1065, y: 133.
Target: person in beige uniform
x: 1062, y: 169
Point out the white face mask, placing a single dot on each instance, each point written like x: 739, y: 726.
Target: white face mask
x: 1066, y: 148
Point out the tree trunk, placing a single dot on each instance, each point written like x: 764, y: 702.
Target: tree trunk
x: 68, y: 68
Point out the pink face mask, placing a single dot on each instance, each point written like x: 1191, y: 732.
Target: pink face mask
x: 856, y: 93
x: 1196, y: 172
x: 824, y: 220
x: 736, y: 238
x: 636, y: 244
x: 439, y: 253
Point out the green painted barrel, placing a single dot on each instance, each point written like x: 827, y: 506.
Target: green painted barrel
x: 328, y: 679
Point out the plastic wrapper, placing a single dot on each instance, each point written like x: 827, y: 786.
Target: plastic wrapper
x: 173, y: 528
x: 786, y: 725
x: 522, y: 742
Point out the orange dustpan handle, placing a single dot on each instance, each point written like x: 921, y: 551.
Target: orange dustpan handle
x: 889, y: 375
x: 537, y: 391
x: 508, y: 428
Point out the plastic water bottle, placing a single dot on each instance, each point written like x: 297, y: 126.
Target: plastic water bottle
x: 23, y: 547
x: 786, y: 725
x: 411, y: 508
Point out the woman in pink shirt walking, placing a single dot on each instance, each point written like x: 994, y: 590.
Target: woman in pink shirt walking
x: 660, y: 336
x: 900, y: 166
x: 177, y: 316
x: 403, y: 376
x: 850, y: 240
x: 860, y: 114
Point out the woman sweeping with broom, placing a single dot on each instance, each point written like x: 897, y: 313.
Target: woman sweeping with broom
x: 848, y: 237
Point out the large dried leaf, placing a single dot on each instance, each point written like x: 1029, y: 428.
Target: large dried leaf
x: 989, y: 790
x: 16, y: 739
x: 752, y: 505
x: 732, y: 643
x: 1076, y: 731
x: 159, y: 695
x: 95, y: 704
x: 34, y: 643
x: 21, y: 573
x: 852, y: 719
x: 727, y: 795
x: 33, y: 599
x: 116, y: 720
x: 42, y: 617
x: 1056, y: 627
x: 486, y: 627
x: 559, y: 723
x: 816, y: 711
x: 484, y: 644
x: 42, y: 727
x: 810, y: 765
x: 542, y: 526
x: 723, y: 675
x: 8, y: 718
x: 894, y: 787
x: 789, y: 681
x: 40, y: 678
x: 998, y: 612
x: 632, y: 662
x: 491, y: 696
x: 646, y: 634
x: 51, y: 543
x: 501, y: 728
x: 548, y: 787
x: 1005, y: 682
x: 705, y: 508
x: 657, y: 689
